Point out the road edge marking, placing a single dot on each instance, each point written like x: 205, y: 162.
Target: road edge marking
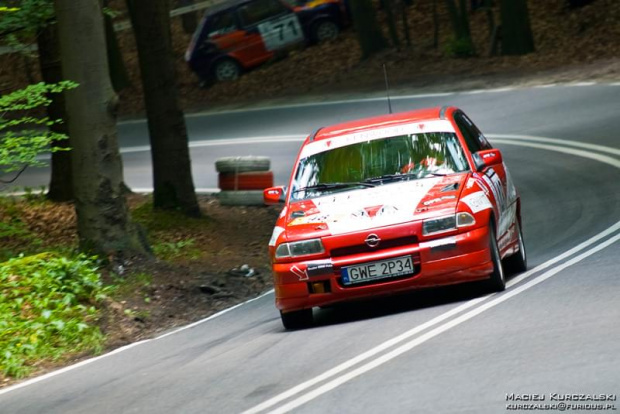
x: 439, y: 330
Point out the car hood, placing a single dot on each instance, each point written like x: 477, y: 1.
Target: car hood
x: 379, y: 206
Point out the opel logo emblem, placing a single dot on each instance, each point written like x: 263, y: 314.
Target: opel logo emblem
x: 372, y: 240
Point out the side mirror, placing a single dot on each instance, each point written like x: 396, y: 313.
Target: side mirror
x: 274, y: 195
x: 487, y: 158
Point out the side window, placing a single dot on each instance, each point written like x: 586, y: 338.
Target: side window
x: 259, y: 10
x: 469, y: 133
x: 484, y: 144
x: 221, y: 24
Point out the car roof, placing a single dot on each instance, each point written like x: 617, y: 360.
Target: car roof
x: 224, y: 6
x: 427, y: 114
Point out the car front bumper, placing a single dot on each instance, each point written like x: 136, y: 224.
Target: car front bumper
x: 442, y: 261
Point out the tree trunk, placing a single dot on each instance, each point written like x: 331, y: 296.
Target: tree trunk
x: 172, y: 173
x: 103, y: 220
x: 391, y: 21
x: 435, y: 25
x: 462, y: 44
x: 367, y: 28
x: 61, y: 182
x: 517, y: 38
x: 405, y: 20
x: 118, y: 71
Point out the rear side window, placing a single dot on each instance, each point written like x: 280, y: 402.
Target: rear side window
x: 259, y: 10
x: 222, y: 23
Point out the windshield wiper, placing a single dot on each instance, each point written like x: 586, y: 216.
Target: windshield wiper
x: 332, y: 186
x: 390, y: 177
x: 436, y: 174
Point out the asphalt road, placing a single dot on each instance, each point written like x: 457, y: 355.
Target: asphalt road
x: 555, y: 331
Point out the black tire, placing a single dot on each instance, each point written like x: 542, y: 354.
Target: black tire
x: 226, y: 69
x: 324, y: 30
x: 517, y: 262
x: 297, y: 319
x: 497, y: 281
x: 242, y: 164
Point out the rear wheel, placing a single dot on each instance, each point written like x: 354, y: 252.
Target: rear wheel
x: 518, y: 261
x: 497, y: 282
x: 297, y: 319
x: 226, y: 70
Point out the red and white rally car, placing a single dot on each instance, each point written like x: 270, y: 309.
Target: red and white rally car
x: 389, y: 204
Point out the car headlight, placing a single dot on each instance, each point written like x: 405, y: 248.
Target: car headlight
x: 299, y: 248
x: 443, y: 224
x: 439, y: 225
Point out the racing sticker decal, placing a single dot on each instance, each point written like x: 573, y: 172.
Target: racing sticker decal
x: 301, y: 274
x: 281, y: 32
x: 477, y: 202
x: 318, y: 268
x: 274, y: 236
x: 345, y: 213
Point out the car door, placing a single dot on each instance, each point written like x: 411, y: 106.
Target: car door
x: 269, y: 25
x: 495, y: 181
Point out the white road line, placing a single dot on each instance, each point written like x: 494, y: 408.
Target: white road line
x: 227, y: 141
x: 299, y: 138
x: 354, y: 100
x: 578, y: 144
x: 496, y: 90
x: 347, y: 364
x: 582, y: 84
x: 320, y: 103
x: 124, y: 348
x: 392, y: 342
x: 564, y: 255
x: 597, y: 157
x: 334, y: 371
x: 437, y: 331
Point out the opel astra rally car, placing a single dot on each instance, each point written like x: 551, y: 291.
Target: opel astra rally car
x: 389, y: 204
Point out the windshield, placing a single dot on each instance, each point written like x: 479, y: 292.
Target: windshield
x: 378, y: 162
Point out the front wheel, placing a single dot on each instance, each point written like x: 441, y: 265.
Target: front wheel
x: 297, y: 319
x: 517, y: 263
x: 497, y: 282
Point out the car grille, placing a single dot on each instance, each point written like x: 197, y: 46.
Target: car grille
x: 364, y: 248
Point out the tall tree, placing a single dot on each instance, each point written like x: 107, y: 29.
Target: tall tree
x: 172, y: 173
x: 517, y: 38
x: 462, y: 44
x: 61, y: 180
x: 36, y: 18
x: 104, y: 223
x: 367, y: 28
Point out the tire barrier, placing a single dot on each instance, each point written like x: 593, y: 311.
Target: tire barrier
x: 243, y: 179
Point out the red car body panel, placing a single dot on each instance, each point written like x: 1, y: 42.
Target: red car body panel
x: 345, y: 221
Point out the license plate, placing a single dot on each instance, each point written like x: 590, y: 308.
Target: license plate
x: 383, y: 269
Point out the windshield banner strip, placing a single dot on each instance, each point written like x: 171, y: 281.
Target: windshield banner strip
x: 326, y: 144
